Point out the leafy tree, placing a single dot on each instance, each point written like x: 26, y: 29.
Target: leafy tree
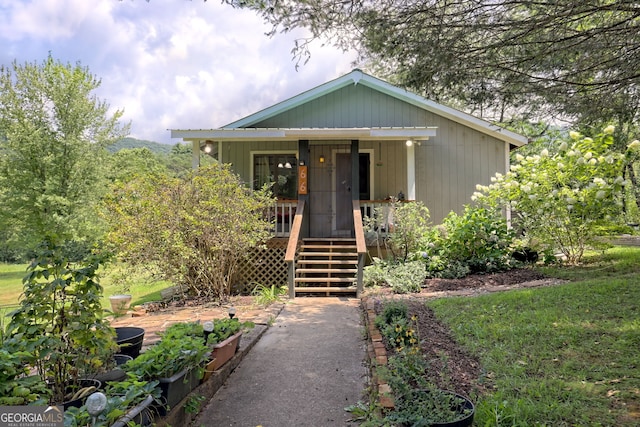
x: 129, y: 163
x: 53, y: 131
x: 497, y: 57
x: 197, y: 228
x: 560, y: 198
x: 179, y: 160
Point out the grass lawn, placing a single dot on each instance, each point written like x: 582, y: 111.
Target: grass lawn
x: 558, y: 356
x: 11, y: 288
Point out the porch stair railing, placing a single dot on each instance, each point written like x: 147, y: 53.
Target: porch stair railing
x: 327, y: 266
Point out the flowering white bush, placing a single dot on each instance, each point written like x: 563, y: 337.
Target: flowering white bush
x: 558, y: 198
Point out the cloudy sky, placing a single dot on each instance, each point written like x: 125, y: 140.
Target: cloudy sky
x: 170, y: 64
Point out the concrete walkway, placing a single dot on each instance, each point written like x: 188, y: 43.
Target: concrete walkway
x: 306, y: 368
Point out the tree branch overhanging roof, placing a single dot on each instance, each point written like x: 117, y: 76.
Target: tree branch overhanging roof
x: 235, y: 129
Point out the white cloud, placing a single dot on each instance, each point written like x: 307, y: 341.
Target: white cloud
x: 167, y: 63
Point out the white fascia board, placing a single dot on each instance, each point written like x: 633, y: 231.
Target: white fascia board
x: 444, y: 111
x: 222, y: 134
x: 404, y: 133
x: 297, y: 100
x: 294, y: 134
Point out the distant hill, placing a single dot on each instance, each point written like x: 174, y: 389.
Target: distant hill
x: 129, y: 143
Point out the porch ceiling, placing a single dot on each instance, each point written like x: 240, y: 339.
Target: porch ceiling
x: 294, y: 134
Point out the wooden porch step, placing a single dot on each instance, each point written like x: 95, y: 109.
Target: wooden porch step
x: 327, y: 270
x: 328, y: 239
x: 328, y: 254
x: 324, y: 280
x: 326, y: 266
x: 329, y: 261
x: 350, y: 289
x: 351, y: 247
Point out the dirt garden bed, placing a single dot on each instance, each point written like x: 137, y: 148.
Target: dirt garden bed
x: 453, y: 368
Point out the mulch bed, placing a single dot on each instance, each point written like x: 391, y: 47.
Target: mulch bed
x: 452, y: 367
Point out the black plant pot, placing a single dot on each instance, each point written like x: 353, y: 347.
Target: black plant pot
x: 116, y: 374
x: 460, y: 405
x: 465, y: 407
x: 141, y: 415
x: 129, y: 339
x: 177, y: 387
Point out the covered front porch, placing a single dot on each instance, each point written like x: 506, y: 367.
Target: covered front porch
x: 326, y: 181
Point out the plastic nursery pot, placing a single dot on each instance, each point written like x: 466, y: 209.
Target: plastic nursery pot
x: 129, y: 340
x: 120, y: 303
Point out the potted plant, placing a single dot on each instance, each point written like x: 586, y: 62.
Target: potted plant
x: 120, y: 303
x: 223, y: 336
x: 175, y: 361
x: 60, y: 322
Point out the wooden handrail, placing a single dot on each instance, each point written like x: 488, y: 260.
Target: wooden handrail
x: 361, y: 245
x: 359, y: 230
x: 294, y: 235
x: 292, y: 247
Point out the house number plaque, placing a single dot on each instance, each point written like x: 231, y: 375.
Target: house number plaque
x: 302, y: 180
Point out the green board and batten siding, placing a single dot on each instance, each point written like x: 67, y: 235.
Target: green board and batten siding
x: 448, y: 166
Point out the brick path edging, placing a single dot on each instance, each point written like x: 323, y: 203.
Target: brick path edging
x: 377, y: 355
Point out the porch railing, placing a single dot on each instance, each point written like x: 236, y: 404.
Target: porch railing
x: 378, y: 214
x: 282, y: 214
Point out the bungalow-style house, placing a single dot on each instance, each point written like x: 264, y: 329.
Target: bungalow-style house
x: 339, y: 150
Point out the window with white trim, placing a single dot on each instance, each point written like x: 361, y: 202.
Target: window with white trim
x: 281, y: 170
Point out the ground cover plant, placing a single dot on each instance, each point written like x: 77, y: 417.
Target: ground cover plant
x: 557, y: 355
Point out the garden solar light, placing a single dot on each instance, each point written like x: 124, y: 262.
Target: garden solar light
x: 232, y: 312
x: 96, y: 403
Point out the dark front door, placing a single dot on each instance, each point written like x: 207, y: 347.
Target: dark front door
x: 343, y: 195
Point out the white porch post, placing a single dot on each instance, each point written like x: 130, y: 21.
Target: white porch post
x: 195, y: 154
x: 411, y: 171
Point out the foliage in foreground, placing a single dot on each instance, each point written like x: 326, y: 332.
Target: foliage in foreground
x: 197, y: 229
x: 59, y: 327
x: 562, y: 355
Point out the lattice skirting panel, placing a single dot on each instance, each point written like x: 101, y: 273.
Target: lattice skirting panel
x: 264, y: 267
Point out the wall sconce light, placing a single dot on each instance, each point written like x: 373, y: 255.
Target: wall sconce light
x: 409, y: 143
x: 321, y: 159
x: 287, y: 165
x: 208, y: 147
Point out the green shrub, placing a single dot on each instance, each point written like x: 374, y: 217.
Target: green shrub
x: 476, y: 241
x: 561, y: 197
x: 412, y: 229
x: 376, y: 273
x: 407, y: 277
